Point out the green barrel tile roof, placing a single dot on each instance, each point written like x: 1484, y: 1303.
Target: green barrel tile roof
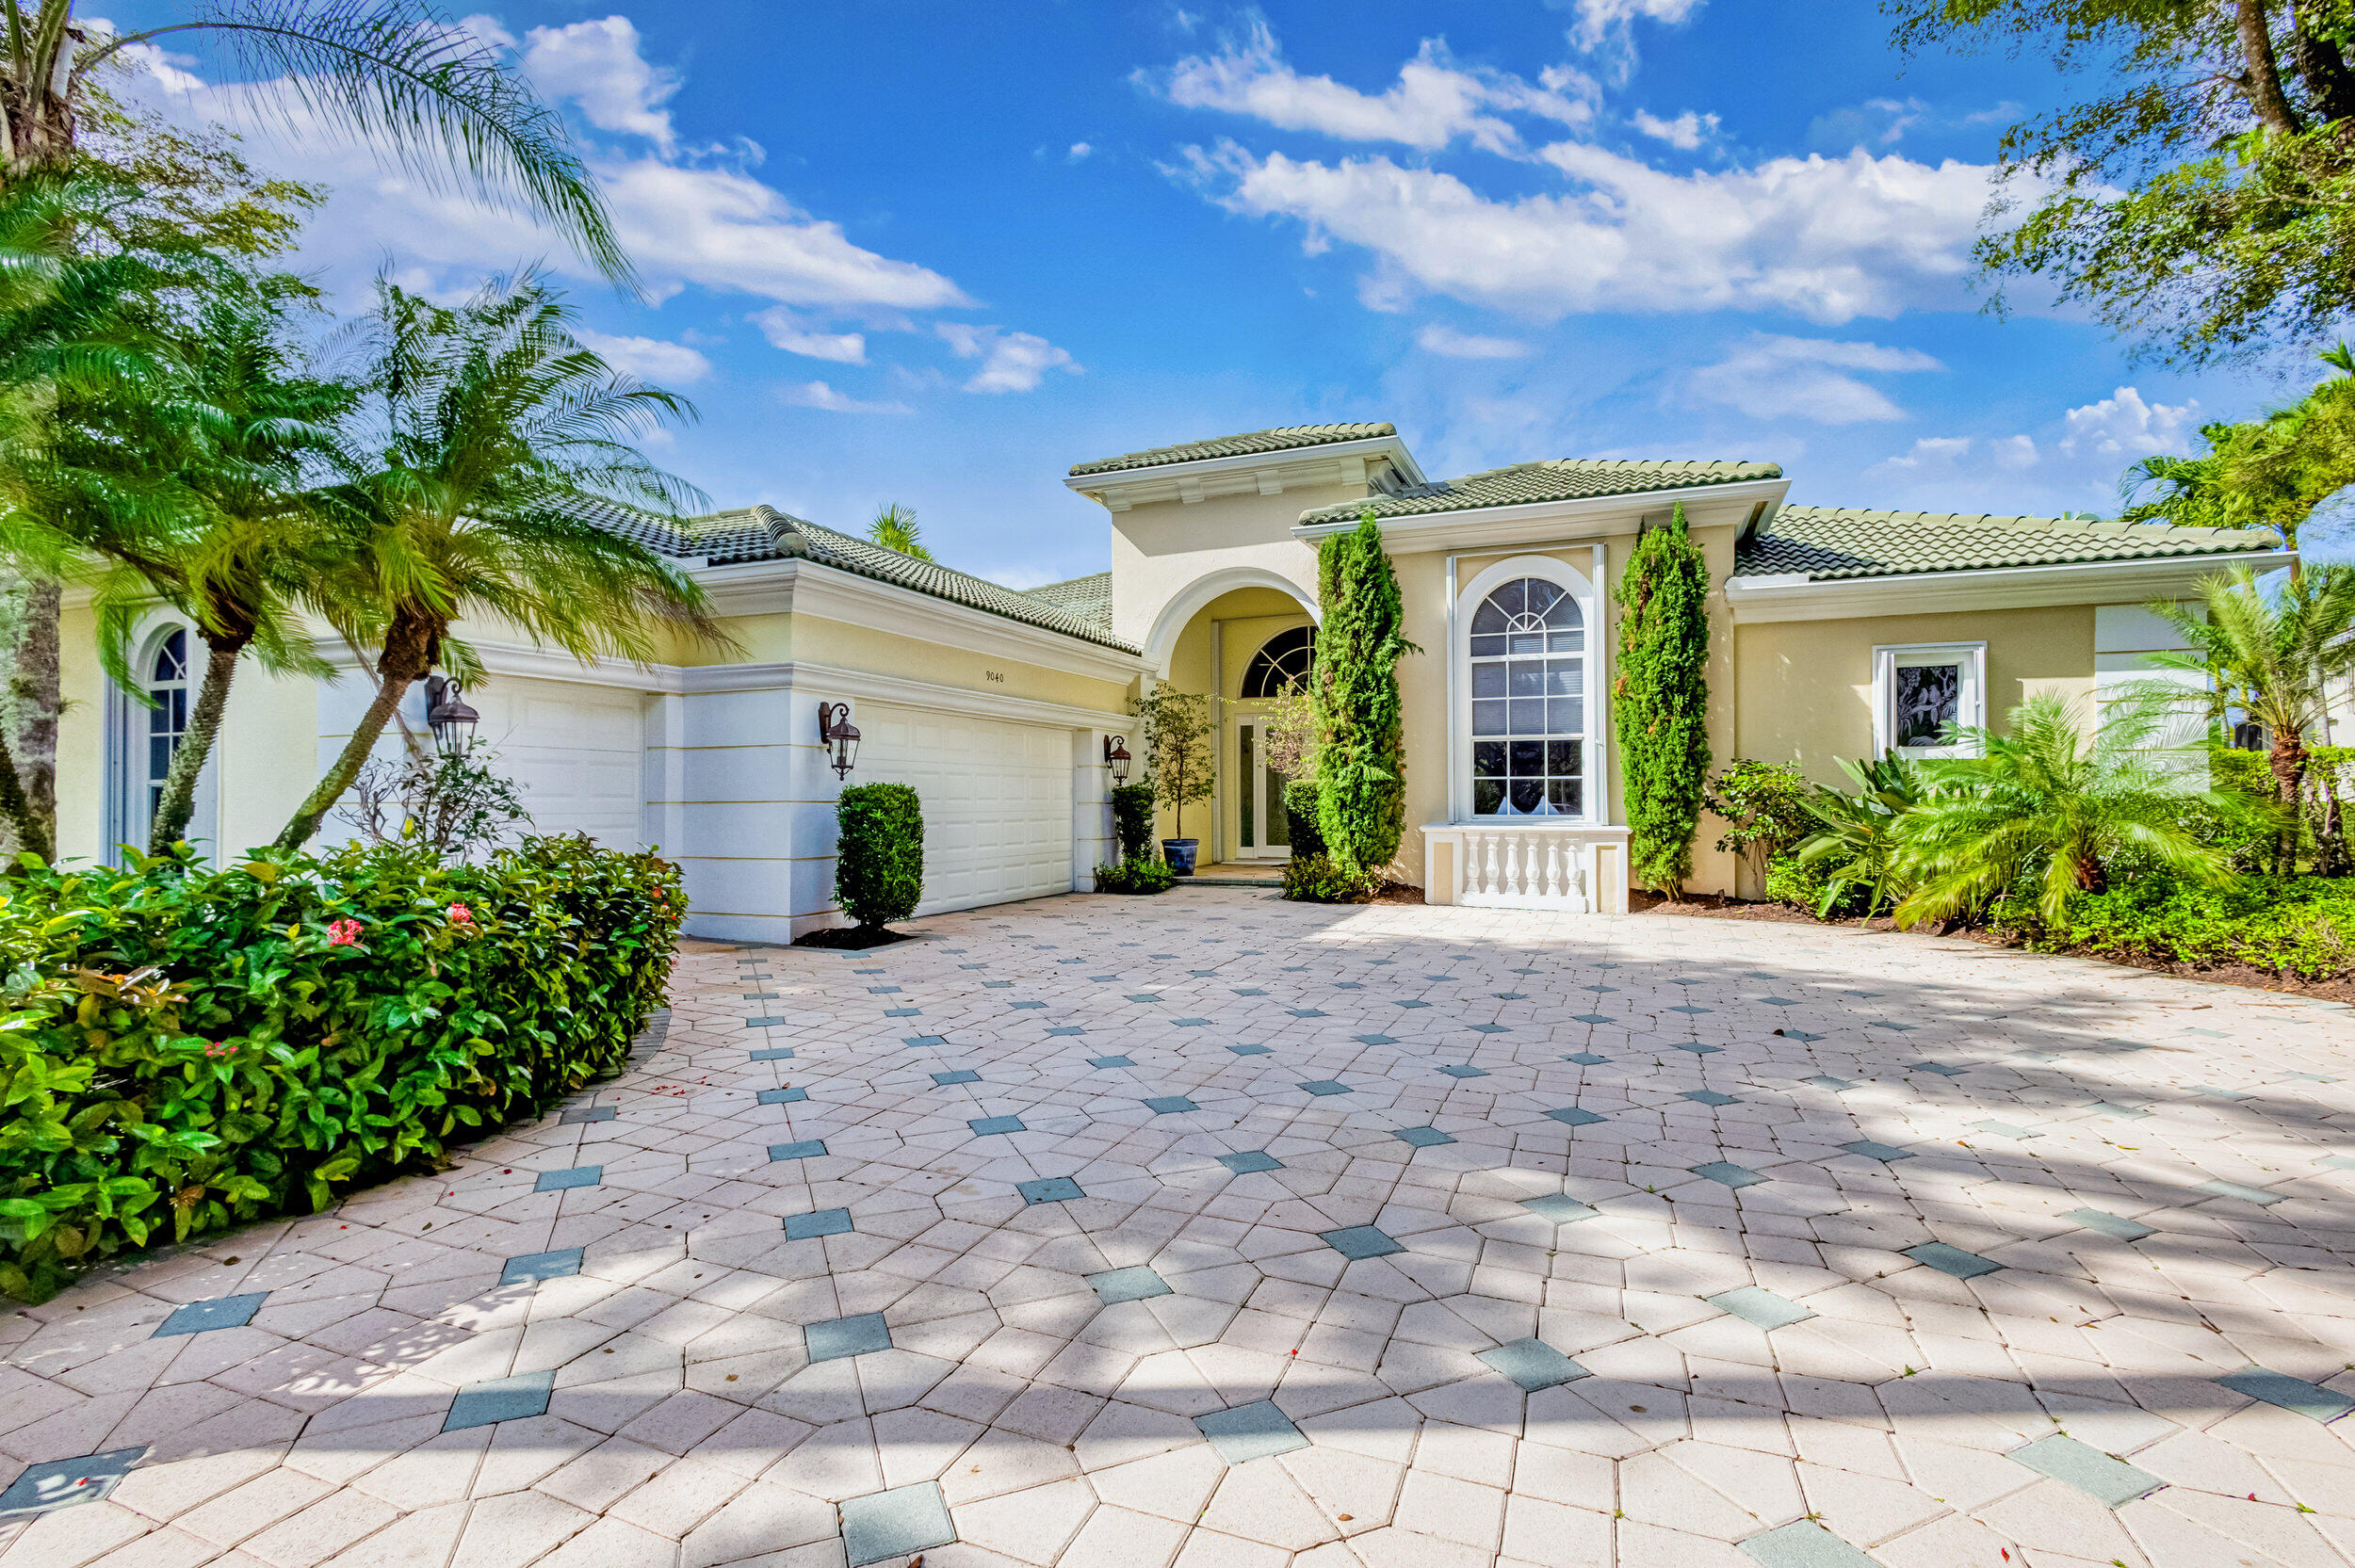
x: 1567, y: 479
x: 764, y: 533
x: 1248, y: 444
x: 1833, y: 542
x: 1090, y: 598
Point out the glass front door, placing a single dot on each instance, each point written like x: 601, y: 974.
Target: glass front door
x: 1263, y: 832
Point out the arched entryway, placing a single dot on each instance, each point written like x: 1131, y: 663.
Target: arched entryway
x: 1240, y: 645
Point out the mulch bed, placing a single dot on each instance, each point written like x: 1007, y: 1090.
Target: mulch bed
x: 853, y: 939
x: 1713, y: 906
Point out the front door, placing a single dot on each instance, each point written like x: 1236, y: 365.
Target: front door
x: 1262, y: 829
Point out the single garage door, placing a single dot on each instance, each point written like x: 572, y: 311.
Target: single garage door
x: 997, y: 801
x: 577, y: 751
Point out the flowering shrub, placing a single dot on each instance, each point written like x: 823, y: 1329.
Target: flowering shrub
x: 184, y: 1049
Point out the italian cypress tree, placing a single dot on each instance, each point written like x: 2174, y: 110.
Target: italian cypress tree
x: 1361, y: 767
x: 1660, y: 702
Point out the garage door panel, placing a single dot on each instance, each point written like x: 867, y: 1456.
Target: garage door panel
x: 576, y: 752
x: 997, y: 801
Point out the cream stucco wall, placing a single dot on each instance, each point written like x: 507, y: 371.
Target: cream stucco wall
x: 1162, y: 548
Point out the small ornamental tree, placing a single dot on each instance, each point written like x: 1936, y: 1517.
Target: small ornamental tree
x: 1660, y: 702
x: 1177, y: 754
x: 879, y: 869
x: 1361, y: 765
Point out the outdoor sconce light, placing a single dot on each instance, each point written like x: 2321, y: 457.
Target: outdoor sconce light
x: 840, y: 735
x: 1116, y: 757
x: 447, y: 715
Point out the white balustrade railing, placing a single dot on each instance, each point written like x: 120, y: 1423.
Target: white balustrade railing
x: 1511, y: 866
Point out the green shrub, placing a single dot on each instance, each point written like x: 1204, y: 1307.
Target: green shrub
x: 1763, y: 806
x: 1132, y: 820
x: 879, y: 866
x: 1142, y: 874
x: 1321, y: 878
x: 1361, y: 765
x: 2303, y: 926
x: 1804, y: 885
x: 1300, y: 814
x: 184, y: 1049
x: 1660, y: 702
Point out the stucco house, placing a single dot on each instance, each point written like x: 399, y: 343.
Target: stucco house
x: 1836, y: 633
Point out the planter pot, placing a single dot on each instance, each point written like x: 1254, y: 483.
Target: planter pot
x: 1180, y: 853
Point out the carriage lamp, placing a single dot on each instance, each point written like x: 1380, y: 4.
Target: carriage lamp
x: 449, y: 716
x: 840, y: 735
x: 1116, y: 757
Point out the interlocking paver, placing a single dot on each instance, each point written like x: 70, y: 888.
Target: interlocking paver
x: 889, y: 1331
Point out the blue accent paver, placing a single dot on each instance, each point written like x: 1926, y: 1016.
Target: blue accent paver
x: 2004, y: 1129
x: 560, y: 1181
x: 1423, y: 1138
x: 1951, y: 1260
x: 1728, y: 1173
x: 1066, y: 1029
x: 817, y: 1222
x: 533, y: 1266
x: 1359, y: 1242
x: 1463, y: 1070
x: 861, y: 1334
x: 1708, y: 1098
x: 222, y: 1312
x: 1110, y: 1062
x: 2099, y: 1475
x: 1697, y: 1049
x: 1249, y: 1050
x: 766, y: 1023
x: 2240, y: 1193
x: 1243, y: 1164
x: 963, y: 1075
x: 1943, y: 1068
x: 1373, y: 1040
x: 925, y: 1039
x: 1560, y: 1207
x: 1594, y: 1018
x: 515, y: 1398
x: 2292, y: 1394
x: 1326, y: 1086
x: 2109, y: 1224
x: 1137, y: 1284
x: 1250, y: 1431
x: 1532, y: 1363
x: 1576, y: 1116
x: 782, y: 1096
x: 62, y: 1482
x: 1761, y: 1308
x: 1803, y: 1544
x: 983, y: 1127
x: 1490, y: 1028
x: 1170, y: 1105
x: 589, y: 1113
x: 782, y: 1053
x: 1866, y: 1148
x: 1586, y: 1058
x: 1049, y: 1190
x: 808, y: 1148
x: 1824, y: 1080
x: 899, y: 1523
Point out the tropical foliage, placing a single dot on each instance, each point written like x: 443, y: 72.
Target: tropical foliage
x: 1180, y: 762
x: 1660, y: 702
x: 1361, y: 758
x: 1854, y: 854
x: 895, y: 528
x: 2267, y: 473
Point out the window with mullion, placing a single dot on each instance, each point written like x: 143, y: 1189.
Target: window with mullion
x: 1527, y: 648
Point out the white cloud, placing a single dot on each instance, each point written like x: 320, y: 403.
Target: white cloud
x: 2071, y: 462
x: 1447, y: 341
x: 1931, y: 452
x: 1431, y: 103
x: 1686, y: 132
x: 1079, y: 150
x: 1874, y: 122
x: 1771, y: 377
x: 818, y: 394
x: 788, y: 331
x: 1827, y: 239
x: 1607, y: 23
x: 597, y: 66
x: 1011, y: 361
x: 2013, y: 452
x: 2124, y: 428
x: 649, y: 358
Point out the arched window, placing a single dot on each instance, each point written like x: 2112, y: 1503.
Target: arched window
x: 1282, y: 661
x: 1527, y: 651
x: 167, y: 687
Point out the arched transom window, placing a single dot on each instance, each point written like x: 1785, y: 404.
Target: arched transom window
x: 167, y: 720
x: 1282, y: 661
x: 1528, y: 657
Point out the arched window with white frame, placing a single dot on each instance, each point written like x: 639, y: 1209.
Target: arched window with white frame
x: 1526, y: 696
x: 149, y: 726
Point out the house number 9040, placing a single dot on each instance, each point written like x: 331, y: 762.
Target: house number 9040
x: 993, y: 675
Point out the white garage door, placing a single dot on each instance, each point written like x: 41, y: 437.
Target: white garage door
x: 997, y: 801
x: 578, y: 752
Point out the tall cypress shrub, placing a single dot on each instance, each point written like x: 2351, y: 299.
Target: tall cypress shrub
x: 1361, y: 767
x: 1660, y: 702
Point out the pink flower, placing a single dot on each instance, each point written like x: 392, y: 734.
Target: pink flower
x: 344, y: 933
x: 224, y: 1049
x: 460, y: 915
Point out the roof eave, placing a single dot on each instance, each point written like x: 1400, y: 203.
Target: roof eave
x: 1097, y: 486
x: 1473, y: 524
x: 2132, y: 581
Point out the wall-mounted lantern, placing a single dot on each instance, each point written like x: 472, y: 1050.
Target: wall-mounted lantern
x: 840, y: 735
x: 1116, y: 757
x: 447, y: 715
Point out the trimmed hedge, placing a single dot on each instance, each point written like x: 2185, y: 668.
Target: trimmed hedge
x: 1322, y: 878
x: 183, y: 1049
x: 1142, y: 874
x: 2302, y: 926
x: 1299, y: 816
x: 879, y: 869
x: 1132, y: 820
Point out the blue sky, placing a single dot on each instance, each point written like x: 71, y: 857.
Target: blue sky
x: 935, y: 255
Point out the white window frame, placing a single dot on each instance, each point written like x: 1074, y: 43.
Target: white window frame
x: 1580, y: 588
x: 1971, y: 710
x: 126, y: 816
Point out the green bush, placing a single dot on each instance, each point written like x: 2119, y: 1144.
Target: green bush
x: 1132, y: 820
x: 1300, y: 814
x: 2303, y: 926
x: 1142, y: 874
x: 1763, y: 806
x: 1361, y: 765
x: 184, y: 1049
x: 1802, y: 885
x: 879, y: 865
x: 1320, y: 879
x: 1660, y: 702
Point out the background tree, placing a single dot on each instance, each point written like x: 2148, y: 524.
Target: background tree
x: 1361, y: 764
x: 1180, y: 761
x: 501, y: 448
x: 1660, y: 702
x: 895, y: 528
x: 2203, y: 197
x: 2267, y: 473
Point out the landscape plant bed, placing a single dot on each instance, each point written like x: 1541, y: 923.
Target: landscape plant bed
x: 855, y: 939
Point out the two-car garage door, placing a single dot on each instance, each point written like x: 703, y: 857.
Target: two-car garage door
x: 997, y: 801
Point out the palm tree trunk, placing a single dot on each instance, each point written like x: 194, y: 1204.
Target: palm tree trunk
x: 2288, y: 765
x: 34, y: 687
x: 30, y: 833
x: 212, y: 700
x: 409, y: 645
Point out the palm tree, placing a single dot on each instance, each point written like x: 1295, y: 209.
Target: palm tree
x: 2271, y: 657
x: 895, y: 528
x: 2046, y: 801
x: 2269, y: 473
x: 502, y: 461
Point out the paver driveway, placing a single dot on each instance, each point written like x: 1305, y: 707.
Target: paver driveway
x: 1216, y: 1231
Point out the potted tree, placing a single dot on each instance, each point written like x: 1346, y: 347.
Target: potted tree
x: 1180, y: 762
